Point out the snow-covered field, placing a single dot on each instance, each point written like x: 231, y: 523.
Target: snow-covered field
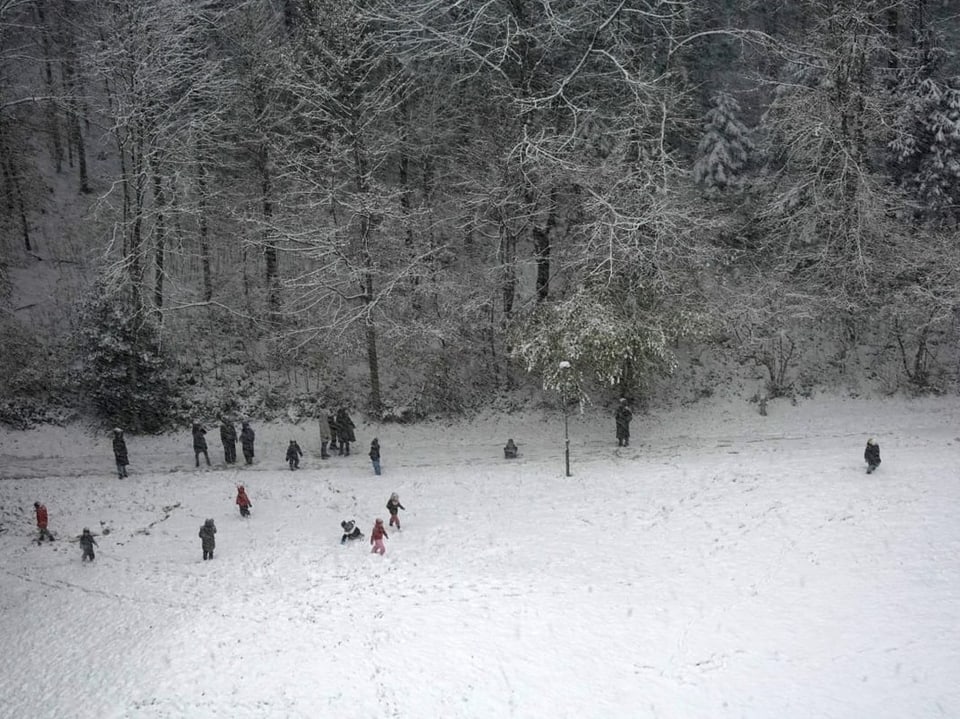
x: 725, y: 565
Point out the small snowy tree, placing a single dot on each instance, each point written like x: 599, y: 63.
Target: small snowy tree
x: 724, y: 149
x: 123, y: 369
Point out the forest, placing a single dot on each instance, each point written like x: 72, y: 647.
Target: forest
x: 419, y: 207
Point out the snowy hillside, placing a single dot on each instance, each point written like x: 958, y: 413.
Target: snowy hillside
x: 725, y: 565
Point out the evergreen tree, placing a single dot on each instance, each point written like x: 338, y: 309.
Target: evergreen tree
x: 725, y: 148
x: 927, y: 147
x: 122, y: 366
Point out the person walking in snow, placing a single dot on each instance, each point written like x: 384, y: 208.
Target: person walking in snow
x: 622, y: 417
x: 393, y: 506
x: 228, y: 437
x: 42, y: 518
x: 120, y: 452
x: 375, y: 455
x: 199, y: 443
x: 872, y: 455
x: 345, y: 433
x: 294, y: 453
x: 325, y: 434
x: 246, y: 441
x: 207, y: 538
x: 87, y: 543
x: 350, y: 531
x: 377, y: 536
x: 243, y: 501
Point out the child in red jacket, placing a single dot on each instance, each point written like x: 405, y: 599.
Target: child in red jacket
x: 41, y: 512
x: 377, y: 536
x: 243, y: 501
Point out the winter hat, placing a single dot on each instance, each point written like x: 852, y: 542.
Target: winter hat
x: 379, y: 521
x: 117, y: 430
x: 870, y: 441
x: 36, y: 505
x: 86, y: 530
x: 394, y: 495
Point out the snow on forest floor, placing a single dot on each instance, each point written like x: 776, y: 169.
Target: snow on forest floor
x: 725, y: 565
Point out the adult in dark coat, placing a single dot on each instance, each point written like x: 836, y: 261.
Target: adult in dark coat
x: 228, y: 436
x: 345, y: 431
x: 120, y: 452
x: 200, y: 443
x: 375, y: 455
x: 247, y: 436
x: 622, y: 417
x: 871, y: 455
x: 207, y: 539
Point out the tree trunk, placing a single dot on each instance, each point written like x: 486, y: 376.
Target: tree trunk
x: 204, y: 235
x: 160, y: 248
x: 53, y: 121
x: 507, y: 256
x: 269, y: 248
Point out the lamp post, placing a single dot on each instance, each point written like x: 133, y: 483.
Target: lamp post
x: 564, y: 365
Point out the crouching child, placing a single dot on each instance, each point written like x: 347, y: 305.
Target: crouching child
x: 350, y: 531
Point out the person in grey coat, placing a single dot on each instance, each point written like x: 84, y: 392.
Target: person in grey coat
x: 325, y: 434
x: 207, y: 540
x: 87, y: 543
x: 200, y: 443
x: 120, y: 452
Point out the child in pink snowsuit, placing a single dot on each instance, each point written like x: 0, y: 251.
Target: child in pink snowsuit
x: 377, y: 536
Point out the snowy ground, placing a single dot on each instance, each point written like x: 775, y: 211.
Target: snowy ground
x: 725, y: 565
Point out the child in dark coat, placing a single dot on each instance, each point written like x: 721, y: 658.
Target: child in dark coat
x: 87, y: 543
x: 243, y: 501
x: 207, y: 538
x: 872, y: 455
x: 350, y: 531
x: 393, y: 505
x: 120, y: 452
x: 294, y: 453
x: 377, y: 536
x: 510, y: 449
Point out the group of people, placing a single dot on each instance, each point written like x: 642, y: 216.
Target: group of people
x: 228, y: 438
x: 351, y: 531
x: 87, y: 542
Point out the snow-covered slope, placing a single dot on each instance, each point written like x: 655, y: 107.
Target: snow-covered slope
x: 725, y: 565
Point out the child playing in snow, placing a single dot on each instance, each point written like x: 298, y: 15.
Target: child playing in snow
x: 294, y: 453
x: 350, y: 531
x: 377, y: 536
x: 207, y: 539
x: 41, y: 511
x: 393, y: 504
x: 87, y: 543
x: 243, y: 501
x: 872, y: 455
x: 510, y: 449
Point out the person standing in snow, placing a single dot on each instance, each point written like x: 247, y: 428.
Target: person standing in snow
x: 334, y: 431
x: 207, y: 538
x: 345, y: 433
x: 325, y: 433
x: 200, y: 443
x: 872, y: 455
x: 87, y: 543
x: 41, y: 511
x: 375, y: 455
x: 228, y: 437
x: 393, y: 505
x: 350, y: 531
x: 510, y: 449
x: 246, y: 441
x: 243, y: 501
x: 294, y: 453
x: 377, y: 536
x: 120, y: 452
x: 622, y: 417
